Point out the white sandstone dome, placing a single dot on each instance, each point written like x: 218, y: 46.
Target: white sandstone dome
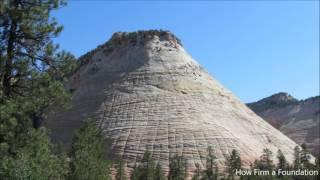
x: 145, y: 91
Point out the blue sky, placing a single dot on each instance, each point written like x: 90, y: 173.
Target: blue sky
x: 254, y: 48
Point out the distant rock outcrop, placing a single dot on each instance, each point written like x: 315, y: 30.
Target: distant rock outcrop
x: 146, y: 92
x: 299, y: 120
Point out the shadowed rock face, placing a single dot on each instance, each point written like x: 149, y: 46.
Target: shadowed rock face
x: 146, y: 92
x: 299, y: 120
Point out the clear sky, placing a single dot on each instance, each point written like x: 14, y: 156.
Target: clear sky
x: 254, y: 48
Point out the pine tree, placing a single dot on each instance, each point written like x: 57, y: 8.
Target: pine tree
x: 88, y: 159
x: 211, y: 171
x: 297, y: 158
x: 147, y: 166
x: 282, y: 162
x: 29, y: 83
x: 158, y: 173
x: 317, y: 163
x: 147, y: 169
x: 302, y: 162
x: 177, y: 168
x: 305, y: 157
x: 252, y: 176
x: 233, y: 163
x: 120, y: 172
x: 197, y: 175
x: 29, y: 65
x: 36, y: 160
x: 136, y: 174
x: 266, y: 162
x: 26, y: 41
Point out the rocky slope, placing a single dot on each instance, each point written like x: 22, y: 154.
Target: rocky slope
x: 299, y: 120
x: 146, y: 92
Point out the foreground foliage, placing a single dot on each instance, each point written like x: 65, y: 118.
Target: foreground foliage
x: 88, y: 160
x: 36, y: 160
x: 31, y: 79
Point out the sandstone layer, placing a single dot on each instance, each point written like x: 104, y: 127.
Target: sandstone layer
x: 146, y: 92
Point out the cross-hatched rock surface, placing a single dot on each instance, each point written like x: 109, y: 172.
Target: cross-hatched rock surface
x: 146, y: 92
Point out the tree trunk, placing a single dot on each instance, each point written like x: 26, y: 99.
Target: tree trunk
x: 6, y: 84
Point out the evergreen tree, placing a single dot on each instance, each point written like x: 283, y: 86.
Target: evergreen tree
x: 135, y: 174
x: 297, y: 158
x: 29, y: 66
x: 211, y: 171
x: 159, y: 174
x: 36, y: 160
x: 282, y: 162
x: 302, y: 161
x: 177, y: 168
x: 26, y: 41
x: 305, y: 157
x: 121, y: 174
x: 147, y: 166
x: 147, y: 170
x: 197, y: 174
x: 253, y: 166
x: 233, y: 163
x: 88, y: 159
x: 29, y: 83
x: 266, y: 162
x: 317, y: 164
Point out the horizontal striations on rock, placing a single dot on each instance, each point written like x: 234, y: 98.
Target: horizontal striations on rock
x: 146, y: 92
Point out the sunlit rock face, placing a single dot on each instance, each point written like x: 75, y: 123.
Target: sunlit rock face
x: 146, y: 92
x: 299, y: 120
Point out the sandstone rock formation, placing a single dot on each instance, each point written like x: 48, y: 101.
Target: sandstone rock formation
x: 299, y: 120
x: 146, y: 92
